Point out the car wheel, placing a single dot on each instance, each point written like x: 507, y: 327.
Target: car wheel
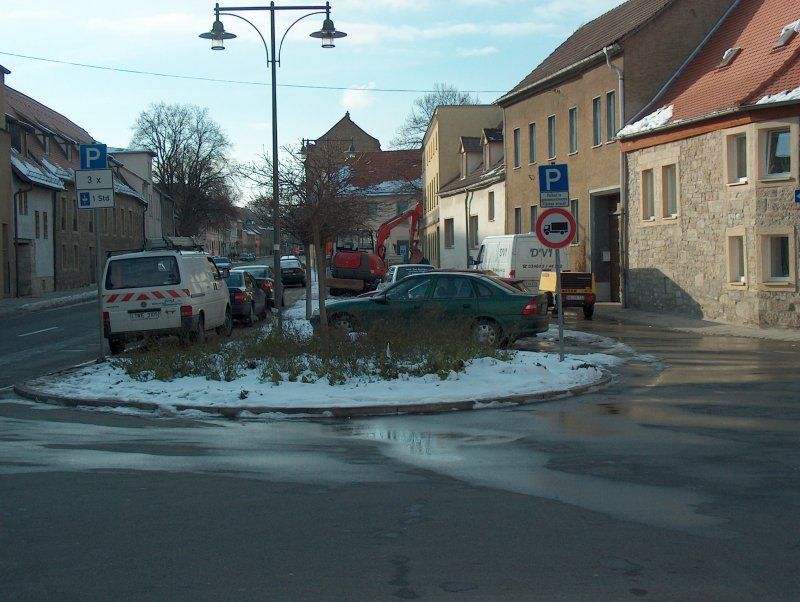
x: 199, y: 335
x: 116, y: 346
x: 588, y: 312
x: 226, y: 328
x: 488, y: 332
x: 344, y: 322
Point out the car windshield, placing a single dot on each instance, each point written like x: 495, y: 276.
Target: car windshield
x: 406, y: 270
x: 290, y: 263
x: 255, y: 272
x: 235, y: 279
x: 409, y: 288
x: 142, y: 271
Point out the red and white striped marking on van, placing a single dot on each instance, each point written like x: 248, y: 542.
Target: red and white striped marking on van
x: 148, y: 296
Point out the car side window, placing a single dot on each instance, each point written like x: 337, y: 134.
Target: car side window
x: 413, y: 288
x: 483, y: 290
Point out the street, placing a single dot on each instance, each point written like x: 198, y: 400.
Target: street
x: 678, y: 482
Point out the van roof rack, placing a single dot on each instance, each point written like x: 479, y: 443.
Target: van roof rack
x: 176, y: 243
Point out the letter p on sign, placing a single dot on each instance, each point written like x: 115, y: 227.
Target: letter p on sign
x: 94, y: 156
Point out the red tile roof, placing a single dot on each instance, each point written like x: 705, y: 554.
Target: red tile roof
x: 704, y: 88
x: 605, y: 30
x: 371, y: 169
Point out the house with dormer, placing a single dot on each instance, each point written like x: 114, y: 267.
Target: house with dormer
x: 568, y: 111
x: 53, y: 239
x: 442, y: 163
x: 472, y: 205
x: 713, y: 174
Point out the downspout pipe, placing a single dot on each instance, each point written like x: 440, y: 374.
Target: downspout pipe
x: 467, y: 207
x: 623, y: 184
x: 17, y: 194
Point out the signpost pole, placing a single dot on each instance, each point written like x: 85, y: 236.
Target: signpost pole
x: 559, y: 307
x: 98, y: 268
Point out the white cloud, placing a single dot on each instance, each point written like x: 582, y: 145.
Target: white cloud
x: 486, y: 50
x: 358, y: 97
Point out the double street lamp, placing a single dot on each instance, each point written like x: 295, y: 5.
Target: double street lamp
x: 327, y: 35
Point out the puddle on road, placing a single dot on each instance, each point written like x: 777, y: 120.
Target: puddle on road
x: 503, y: 461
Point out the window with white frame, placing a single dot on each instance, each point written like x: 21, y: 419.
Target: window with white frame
x: 737, y: 158
x: 532, y: 142
x: 517, y: 220
x: 737, y: 264
x: 669, y: 190
x: 449, y: 233
x: 597, y: 122
x: 648, y: 195
x: 551, y: 137
x: 517, y: 158
x: 372, y: 208
x: 778, y: 153
x: 574, y: 209
x: 573, y: 130
x: 611, y: 115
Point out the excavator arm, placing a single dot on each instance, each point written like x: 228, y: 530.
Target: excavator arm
x: 414, y: 215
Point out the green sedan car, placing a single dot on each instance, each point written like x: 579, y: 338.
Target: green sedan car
x: 496, y: 312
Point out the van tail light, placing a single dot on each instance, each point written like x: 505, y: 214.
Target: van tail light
x: 106, y: 322
x: 531, y: 309
x: 186, y: 311
x: 267, y: 286
x: 238, y: 297
x: 512, y: 274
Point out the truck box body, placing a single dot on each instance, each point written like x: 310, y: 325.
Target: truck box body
x: 518, y: 256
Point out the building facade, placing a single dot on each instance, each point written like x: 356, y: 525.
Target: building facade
x: 713, y: 177
x: 568, y: 111
x: 441, y: 163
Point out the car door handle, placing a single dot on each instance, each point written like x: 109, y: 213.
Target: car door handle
x: 466, y: 305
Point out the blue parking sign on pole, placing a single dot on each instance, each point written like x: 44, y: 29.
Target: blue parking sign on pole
x: 94, y: 156
x: 553, y: 186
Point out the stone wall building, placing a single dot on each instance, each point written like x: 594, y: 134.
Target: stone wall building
x: 713, y: 171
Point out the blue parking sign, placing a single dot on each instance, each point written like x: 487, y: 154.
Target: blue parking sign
x: 94, y: 156
x: 553, y: 186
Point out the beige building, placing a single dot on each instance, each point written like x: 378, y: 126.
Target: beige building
x: 441, y: 163
x: 472, y: 206
x: 568, y: 111
x: 714, y: 178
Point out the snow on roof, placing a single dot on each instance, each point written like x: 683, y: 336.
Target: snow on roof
x: 123, y: 188
x: 58, y: 171
x: 780, y: 97
x: 36, y: 175
x: 650, y: 122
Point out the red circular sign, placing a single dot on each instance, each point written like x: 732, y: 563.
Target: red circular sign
x: 556, y: 228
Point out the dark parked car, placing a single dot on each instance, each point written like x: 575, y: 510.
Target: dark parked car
x: 248, y: 300
x: 264, y: 277
x: 293, y: 271
x: 247, y: 256
x: 497, y: 312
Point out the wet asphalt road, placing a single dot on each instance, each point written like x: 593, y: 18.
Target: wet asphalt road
x: 679, y: 481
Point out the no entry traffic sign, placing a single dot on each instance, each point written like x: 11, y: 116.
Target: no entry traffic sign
x: 556, y: 228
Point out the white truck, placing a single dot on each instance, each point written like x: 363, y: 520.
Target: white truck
x: 519, y: 256
x: 523, y: 257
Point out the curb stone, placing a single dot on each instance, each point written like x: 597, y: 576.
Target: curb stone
x: 235, y: 412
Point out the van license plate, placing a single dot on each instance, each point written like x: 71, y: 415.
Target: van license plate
x: 145, y: 315
x: 574, y: 297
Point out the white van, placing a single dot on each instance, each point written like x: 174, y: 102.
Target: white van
x: 162, y: 292
x: 519, y: 256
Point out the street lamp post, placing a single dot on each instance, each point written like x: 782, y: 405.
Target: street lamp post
x: 327, y: 34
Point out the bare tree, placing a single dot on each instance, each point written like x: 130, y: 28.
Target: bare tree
x: 318, y: 203
x: 191, y: 163
x: 410, y: 134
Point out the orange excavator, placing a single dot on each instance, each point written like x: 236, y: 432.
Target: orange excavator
x: 359, y: 260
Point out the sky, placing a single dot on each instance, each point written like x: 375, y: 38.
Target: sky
x: 485, y: 380
x: 102, y: 63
